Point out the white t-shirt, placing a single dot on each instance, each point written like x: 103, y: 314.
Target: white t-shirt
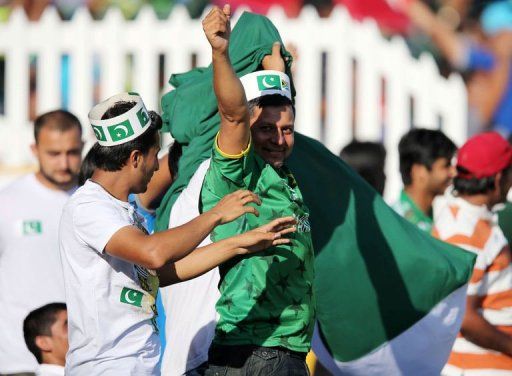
x: 111, y: 302
x: 189, y: 306
x: 50, y: 370
x: 30, y: 268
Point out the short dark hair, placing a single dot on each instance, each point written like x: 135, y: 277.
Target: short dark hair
x: 423, y: 147
x: 59, y: 120
x: 475, y: 186
x: 367, y: 159
x: 272, y: 100
x: 87, y: 168
x: 113, y: 158
x: 175, y: 153
x: 39, y: 323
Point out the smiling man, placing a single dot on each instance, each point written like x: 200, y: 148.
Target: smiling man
x: 266, y: 307
x: 30, y: 268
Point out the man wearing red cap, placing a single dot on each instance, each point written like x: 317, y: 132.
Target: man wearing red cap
x: 483, y: 179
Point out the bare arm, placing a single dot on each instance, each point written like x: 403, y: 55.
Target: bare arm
x: 479, y: 331
x: 153, y: 251
x: 234, y: 132
x: 206, y: 258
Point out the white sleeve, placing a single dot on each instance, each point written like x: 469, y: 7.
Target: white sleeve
x: 95, y: 223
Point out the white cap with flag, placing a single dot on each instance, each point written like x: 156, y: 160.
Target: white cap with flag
x: 266, y: 82
x: 122, y: 128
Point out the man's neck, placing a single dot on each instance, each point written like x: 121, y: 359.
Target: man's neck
x: 54, y: 187
x: 478, y: 200
x: 114, y: 182
x: 422, y: 199
x: 53, y: 360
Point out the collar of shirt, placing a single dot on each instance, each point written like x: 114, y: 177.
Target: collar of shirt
x: 416, y: 214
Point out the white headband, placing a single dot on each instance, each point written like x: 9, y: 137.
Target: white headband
x: 122, y: 128
x: 266, y: 82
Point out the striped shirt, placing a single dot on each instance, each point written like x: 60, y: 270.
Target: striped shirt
x: 475, y: 228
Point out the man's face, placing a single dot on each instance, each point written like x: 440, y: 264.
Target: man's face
x: 147, y: 168
x: 59, y: 155
x: 504, y: 184
x: 440, y: 176
x: 272, y: 133
x: 59, y: 337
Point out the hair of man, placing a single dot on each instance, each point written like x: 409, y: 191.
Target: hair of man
x: 475, y: 186
x: 272, y: 100
x: 423, y: 146
x: 113, y: 158
x: 367, y: 159
x: 59, y: 120
x: 39, y: 323
x: 175, y: 153
x: 87, y: 168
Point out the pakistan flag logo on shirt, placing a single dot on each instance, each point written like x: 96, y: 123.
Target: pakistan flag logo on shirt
x: 132, y: 297
x: 32, y: 227
x: 120, y: 131
x: 269, y: 82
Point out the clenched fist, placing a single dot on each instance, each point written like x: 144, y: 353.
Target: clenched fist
x: 217, y: 28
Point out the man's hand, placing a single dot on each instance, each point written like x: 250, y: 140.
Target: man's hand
x: 217, y: 28
x: 234, y: 205
x: 274, y: 61
x: 266, y: 236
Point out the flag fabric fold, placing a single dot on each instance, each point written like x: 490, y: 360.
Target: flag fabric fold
x: 380, y: 282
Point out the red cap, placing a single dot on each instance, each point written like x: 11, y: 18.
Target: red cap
x: 484, y: 155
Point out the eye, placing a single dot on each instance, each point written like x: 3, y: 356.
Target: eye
x: 287, y: 130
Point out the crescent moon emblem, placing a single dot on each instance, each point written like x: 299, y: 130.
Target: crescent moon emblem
x: 97, y: 133
x: 127, y: 297
x: 266, y: 84
x: 122, y: 127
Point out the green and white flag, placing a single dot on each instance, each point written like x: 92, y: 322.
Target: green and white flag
x: 390, y: 298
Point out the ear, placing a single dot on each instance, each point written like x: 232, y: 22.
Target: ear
x: 34, y: 149
x: 44, y: 343
x: 419, y: 173
x: 135, y: 158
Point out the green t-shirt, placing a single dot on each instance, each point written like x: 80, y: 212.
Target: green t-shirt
x: 266, y: 298
x: 408, y: 209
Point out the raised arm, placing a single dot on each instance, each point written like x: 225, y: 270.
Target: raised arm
x: 234, y: 132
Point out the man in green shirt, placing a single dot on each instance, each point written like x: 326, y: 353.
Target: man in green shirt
x: 426, y: 169
x: 266, y: 308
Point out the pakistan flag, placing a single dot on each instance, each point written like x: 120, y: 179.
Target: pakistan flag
x: 390, y: 298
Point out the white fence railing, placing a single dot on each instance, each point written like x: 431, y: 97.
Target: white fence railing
x: 373, y: 89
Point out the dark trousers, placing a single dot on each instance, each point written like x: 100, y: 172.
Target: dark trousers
x: 255, y: 361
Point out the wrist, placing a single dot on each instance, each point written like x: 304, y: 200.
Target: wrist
x: 220, y: 54
x: 216, y: 217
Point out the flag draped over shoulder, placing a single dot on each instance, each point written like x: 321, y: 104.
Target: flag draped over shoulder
x: 390, y: 298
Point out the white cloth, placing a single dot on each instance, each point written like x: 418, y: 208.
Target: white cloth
x: 30, y: 268
x: 110, y: 315
x: 50, y: 370
x: 189, y: 306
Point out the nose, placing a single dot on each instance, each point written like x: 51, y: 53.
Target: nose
x: 64, y: 162
x: 278, y: 138
x: 453, y: 171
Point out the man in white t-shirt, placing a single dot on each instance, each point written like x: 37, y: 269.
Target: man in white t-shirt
x: 112, y: 267
x: 46, y: 334
x: 30, y: 267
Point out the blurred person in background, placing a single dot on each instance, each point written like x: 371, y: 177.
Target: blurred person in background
x: 426, y: 170
x: 30, y: 267
x: 45, y: 330
x: 368, y: 160
x: 485, y: 55
x: 465, y: 218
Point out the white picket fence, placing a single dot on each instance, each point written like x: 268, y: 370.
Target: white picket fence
x: 374, y: 89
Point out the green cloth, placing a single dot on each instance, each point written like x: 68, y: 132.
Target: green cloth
x: 266, y: 298
x: 408, y: 209
x: 505, y: 221
x: 376, y: 274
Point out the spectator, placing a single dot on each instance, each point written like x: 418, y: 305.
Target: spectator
x: 367, y: 159
x: 426, y: 169
x: 46, y: 334
x: 30, y: 267
x: 484, y: 176
x: 487, y: 59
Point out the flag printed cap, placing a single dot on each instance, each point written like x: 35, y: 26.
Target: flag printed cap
x: 122, y: 128
x: 483, y: 156
x: 266, y: 82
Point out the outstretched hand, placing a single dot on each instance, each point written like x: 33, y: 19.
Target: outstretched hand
x: 217, y: 28
x: 235, y: 204
x: 266, y: 236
